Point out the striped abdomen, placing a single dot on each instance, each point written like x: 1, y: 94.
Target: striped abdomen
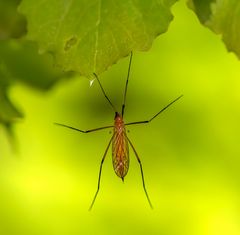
x: 120, y: 152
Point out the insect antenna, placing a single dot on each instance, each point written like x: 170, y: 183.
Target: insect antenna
x: 104, y: 93
x: 126, y: 85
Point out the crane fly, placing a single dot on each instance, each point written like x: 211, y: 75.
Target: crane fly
x: 119, y: 140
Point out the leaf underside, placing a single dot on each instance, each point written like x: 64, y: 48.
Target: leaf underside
x: 221, y: 16
x: 89, y: 36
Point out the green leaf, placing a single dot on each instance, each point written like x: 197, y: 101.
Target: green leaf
x: 223, y: 17
x: 12, y: 24
x: 89, y: 36
x: 23, y: 63
x: 8, y: 113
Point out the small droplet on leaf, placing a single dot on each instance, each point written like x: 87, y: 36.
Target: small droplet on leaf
x: 92, y: 81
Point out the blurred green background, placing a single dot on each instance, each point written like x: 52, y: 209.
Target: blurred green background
x: 190, y: 154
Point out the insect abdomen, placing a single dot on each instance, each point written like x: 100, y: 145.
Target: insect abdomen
x: 120, y: 152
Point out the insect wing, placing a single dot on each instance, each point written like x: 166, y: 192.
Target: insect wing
x: 120, y: 154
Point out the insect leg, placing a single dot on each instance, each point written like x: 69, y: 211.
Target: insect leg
x: 126, y: 85
x: 83, y: 131
x: 147, y: 121
x: 100, y: 172
x: 140, y: 164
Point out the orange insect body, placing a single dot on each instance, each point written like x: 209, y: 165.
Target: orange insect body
x: 120, y: 150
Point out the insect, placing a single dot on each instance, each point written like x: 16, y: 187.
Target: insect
x: 119, y: 140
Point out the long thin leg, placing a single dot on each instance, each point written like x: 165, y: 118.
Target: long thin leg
x: 147, y: 121
x: 104, y: 93
x: 100, y: 172
x: 126, y: 86
x: 139, y: 161
x: 83, y: 131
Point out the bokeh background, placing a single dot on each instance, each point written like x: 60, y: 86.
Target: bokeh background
x: 190, y: 154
